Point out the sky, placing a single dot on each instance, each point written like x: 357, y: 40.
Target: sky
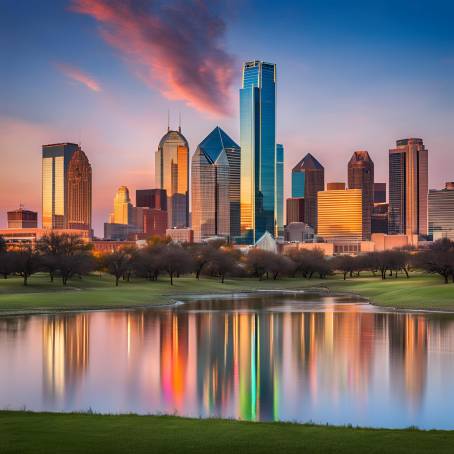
x: 105, y: 73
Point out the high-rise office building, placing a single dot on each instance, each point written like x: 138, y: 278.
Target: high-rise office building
x: 152, y: 198
x: 295, y: 210
x: 441, y: 212
x: 22, y: 219
x: 79, y: 192
x: 340, y: 215
x: 172, y: 174
x: 361, y: 176
x: 308, y: 178
x: 55, y: 164
x: 379, y: 192
x: 279, y: 190
x: 258, y: 150
x: 408, y: 188
x: 215, y: 186
x: 123, y: 209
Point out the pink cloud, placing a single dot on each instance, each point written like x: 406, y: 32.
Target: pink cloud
x: 177, y: 46
x: 79, y: 76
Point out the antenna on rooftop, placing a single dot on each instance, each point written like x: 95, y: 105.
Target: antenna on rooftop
x: 168, y: 120
x: 179, y: 122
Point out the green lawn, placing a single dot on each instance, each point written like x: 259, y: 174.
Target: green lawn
x: 95, y: 292
x: 47, y: 433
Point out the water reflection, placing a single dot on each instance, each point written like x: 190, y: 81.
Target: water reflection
x: 257, y: 359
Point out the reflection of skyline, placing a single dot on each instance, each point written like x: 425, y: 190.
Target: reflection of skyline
x: 251, y: 361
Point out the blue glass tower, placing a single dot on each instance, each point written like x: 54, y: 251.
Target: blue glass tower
x: 258, y: 150
x: 279, y: 190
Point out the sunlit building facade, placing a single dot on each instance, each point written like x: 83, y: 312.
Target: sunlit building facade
x: 172, y: 175
x: 55, y: 164
x: 122, y: 213
x: 340, y: 215
x: 79, y: 192
x: 441, y: 213
x: 258, y: 150
x: 210, y: 187
x: 408, y: 188
x: 308, y: 178
x: 279, y: 190
x: 295, y: 210
x: 361, y: 176
x: 22, y: 219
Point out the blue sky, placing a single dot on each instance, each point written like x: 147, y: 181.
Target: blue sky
x: 351, y: 75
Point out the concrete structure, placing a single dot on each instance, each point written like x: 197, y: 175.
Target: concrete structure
x: 295, y: 210
x: 384, y: 242
x: 379, y: 192
x: 327, y: 248
x: 340, y: 215
x: 22, y: 219
x: 172, y: 175
x: 441, y: 212
x: 408, y: 188
x: 308, y: 178
x: 361, y: 176
x: 183, y: 235
x: 215, y: 181
x: 335, y: 186
x: 107, y: 246
x: 298, y: 231
x: 258, y: 150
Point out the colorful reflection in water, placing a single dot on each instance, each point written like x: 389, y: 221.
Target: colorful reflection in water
x: 294, y: 358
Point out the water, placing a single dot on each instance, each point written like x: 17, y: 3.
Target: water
x: 298, y: 358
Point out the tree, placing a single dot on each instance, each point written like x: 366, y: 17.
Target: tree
x: 25, y: 263
x: 147, y: 262
x: 2, y: 245
x: 75, y: 265
x: 256, y: 262
x: 6, y: 264
x: 117, y: 264
x: 221, y: 263
x: 345, y: 264
x: 175, y: 260
x: 439, y: 259
x: 201, y: 254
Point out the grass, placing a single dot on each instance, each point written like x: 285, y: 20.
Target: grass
x: 24, y: 432
x: 98, y: 292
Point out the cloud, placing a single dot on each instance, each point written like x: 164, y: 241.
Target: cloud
x: 79, y: 76
x: 177, y: 46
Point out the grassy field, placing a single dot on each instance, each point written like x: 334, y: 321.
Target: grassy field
x: 46, y: 433
x: 99, y: 292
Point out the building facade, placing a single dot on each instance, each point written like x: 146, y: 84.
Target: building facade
x: 79, y: 183
x: 211, y: 178
x: 298, y: 231
x: 123, y: 209
x: 379, y: 192
x: 172, y: 175
x: 408, y: 188
x: 361, y: 176
x: 152, y: 198
x: 22, y: 219
x: 441, y: 213
x: 279, y: 191
x: 258, y: 150
x: 183, y: 235
x: 294, y: 210
x: 340, y: 215
x: 308, y: 178
x: 55, y: 164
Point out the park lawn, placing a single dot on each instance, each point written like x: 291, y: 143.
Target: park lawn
x: 45, y: 433
x: 98, y: 292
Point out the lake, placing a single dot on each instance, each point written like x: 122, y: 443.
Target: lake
x: 291, y: 357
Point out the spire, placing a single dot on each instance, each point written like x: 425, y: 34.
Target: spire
x: 179, y: 122
x: 168, y: 120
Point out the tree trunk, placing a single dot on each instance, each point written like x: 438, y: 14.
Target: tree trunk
x: 117, y: 278
x: 25, y: 279
x: 171, y: 278
x: 446, y: 278
x: 345, y: 276
x: 51, y: 277
x: 222, y: 279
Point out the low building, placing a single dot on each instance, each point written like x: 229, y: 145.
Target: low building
x: 384, y: 242
x: 336, y: 186
x: 117, y: 232
x: 22, y: 219
x: 155, y: 222
x: 108, y: 246
x: 298, y: 231
x: 181, y: 235
x: 327, y: 248
x: 441, y: 212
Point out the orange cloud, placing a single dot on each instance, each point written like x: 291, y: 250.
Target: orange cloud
x: 177, y: 45
x: 79, y: 76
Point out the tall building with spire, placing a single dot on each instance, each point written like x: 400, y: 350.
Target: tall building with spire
x: 79, y: 192
x: 408, y: 188
x: 66, y: 187
x: 361, y: 176
x: 258, y: 150
x: 122, y: 213
x: 308, y: 178
x: 172, y: 175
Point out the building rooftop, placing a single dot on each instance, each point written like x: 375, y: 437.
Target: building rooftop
x: 308, y: 162
x: 173, y: 136
x: 216, y: 141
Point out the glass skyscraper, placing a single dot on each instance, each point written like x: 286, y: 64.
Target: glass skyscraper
x: 279, y: 190
x: 55, y: 165
x: 258, y: 150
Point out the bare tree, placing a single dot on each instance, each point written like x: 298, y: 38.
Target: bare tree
x: 25, y: 263
x: 117, y: 264
x: 221, y: 262
x: 439, y: 259
x: 175, y: 260
x: 2, y: 245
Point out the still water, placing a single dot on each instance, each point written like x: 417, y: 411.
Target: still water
x: 298, y: 358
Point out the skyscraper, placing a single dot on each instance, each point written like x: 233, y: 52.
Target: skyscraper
x: 308, y: 178
x: 122, y: 213
x: 215, y: 187
x: 361, y: 176
x: 408, y: 188
x: 258, y: 150
x: 79, y: 192
x: 172, y: 174
x: 55, y: 164
x: 441, y: 212
x: 279, y: 190
x: 152, y: 198
x: 295, y: 210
